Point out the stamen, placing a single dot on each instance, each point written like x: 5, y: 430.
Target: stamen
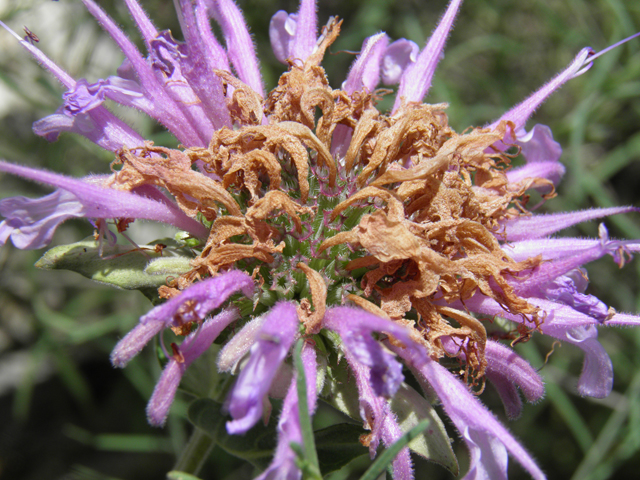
x: 602, y: 52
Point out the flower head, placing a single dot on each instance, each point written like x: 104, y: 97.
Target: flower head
x: 384, y: 239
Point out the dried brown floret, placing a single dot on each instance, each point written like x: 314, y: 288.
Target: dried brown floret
x: 318, y: 287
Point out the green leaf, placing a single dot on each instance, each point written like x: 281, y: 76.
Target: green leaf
x: 433, y: 444
x: 337, y: 445
x: 121, y: 266
x: 256, y: 446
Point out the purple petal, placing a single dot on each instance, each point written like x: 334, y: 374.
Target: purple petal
x: 504, y: 365
x: 365, y: 70
x: 143, y: 22
x: 275, y: 338
x: 552, y: 171
x: 397, y: 57
x: 486, y: 438
x: 203, y: 56
x: 282, y: 28
x: 391, y: 432
x: 416, y: 80
x: 548, y: 248
x: 566, y: 324
x: 305, y: 37
x: 544, y: 275
x: 192, y: 305
x: 538, y: 145
x: 542, y: 154
x: 596, y: 378
x: 167, y: 111
x: 624, y: 320
x: 521, y: 112
x: 340, y: 141
x: 378, y: 375
x: 134, y: 341
x: 31, y: 223
x: 283, y: 466
x: 355, y: 327
x: 216, y: 54
x: 567, y: 290
x: 96, y: 202
x: 179, y: 69
x: 506, y: 370
x: 488, y: 456
x: 538, y: 226
x: 191, y: 348
x: 236, y: 348
x: 240, y: 48
x: 509, y: 395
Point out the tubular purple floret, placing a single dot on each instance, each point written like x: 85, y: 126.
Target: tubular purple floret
x: 240, y: 47
x: 416, y: 79
x: 192, y: 305
x: 192, y: 347
x: 145, y: 25
x: 168, y: 111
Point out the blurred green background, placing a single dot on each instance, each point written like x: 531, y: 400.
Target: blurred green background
x: 65, y: 413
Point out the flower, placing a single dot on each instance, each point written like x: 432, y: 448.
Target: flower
x: 383, y: 239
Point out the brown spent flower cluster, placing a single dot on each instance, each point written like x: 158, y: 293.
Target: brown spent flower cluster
x: 439, y: 199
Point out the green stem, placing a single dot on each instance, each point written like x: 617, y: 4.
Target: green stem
x: 195, y: 452
x: 309, y: 445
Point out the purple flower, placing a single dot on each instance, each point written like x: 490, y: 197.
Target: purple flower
x: 192, y: 305
x: 31, y: 223
x: 284, y: 466
x: 355, y: 328
x: 184, y: 355
x: 507, y: 371
x: 273, y: 342
x: 293, y: 36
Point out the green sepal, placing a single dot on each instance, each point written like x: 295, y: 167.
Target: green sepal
x: 120, y: 266
x: 339, y: 390
x: 433, y: 444
x: 256, y: 447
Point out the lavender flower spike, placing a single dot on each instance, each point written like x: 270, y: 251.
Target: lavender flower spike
x: 274, y: 341
x: 189, y: 350
x: 192, y: 305
x: 283, y: 465
x: 31, y: 223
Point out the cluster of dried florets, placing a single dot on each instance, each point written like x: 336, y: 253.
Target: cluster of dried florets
x: 428, y: 239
